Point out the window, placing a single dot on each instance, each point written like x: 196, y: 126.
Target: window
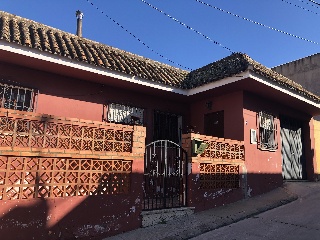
x: 167, y: 126
x: 267, y: 132
x: 214, y: 124
x: 18, y: 98
x: 119, y: 113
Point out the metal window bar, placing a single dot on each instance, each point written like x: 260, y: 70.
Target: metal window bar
x: 120, y: 113
x: 18, y: 98
x: 167, y: 126
x: 267, y: 131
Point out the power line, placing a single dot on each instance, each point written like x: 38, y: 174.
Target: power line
x: 260, y: 24
x: 187, y: 26
x: 307, y: 2
x: 133, y: 35
x: 299, y: 6
x: 314, y: 2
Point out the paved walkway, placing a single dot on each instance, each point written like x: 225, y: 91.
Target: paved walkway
x: 199, y: 223
x: 298, y: 220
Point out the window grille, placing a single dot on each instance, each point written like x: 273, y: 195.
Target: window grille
x: 17, y: 98
x: 167, y: 126
x: 119, y: 113
x: 267, y: 131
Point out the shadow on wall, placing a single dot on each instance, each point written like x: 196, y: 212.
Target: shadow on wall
x: 110, y: 209
x: 210, y: 195
x: 99, y: 216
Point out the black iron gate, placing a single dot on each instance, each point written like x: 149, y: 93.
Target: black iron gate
x: 293, y: 159
x: 164, y: 175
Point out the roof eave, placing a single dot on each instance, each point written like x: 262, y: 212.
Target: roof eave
x: 83, y: 66
x: 67, y: 62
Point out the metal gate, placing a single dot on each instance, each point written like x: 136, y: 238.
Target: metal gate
x: 164, y: 175
x: 293, y: 160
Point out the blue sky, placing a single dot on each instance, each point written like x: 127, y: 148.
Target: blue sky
x: 179, y: 44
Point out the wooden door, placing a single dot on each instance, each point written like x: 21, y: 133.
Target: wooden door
x: 214, y: 124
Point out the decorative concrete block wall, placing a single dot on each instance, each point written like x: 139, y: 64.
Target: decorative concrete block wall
x: 64, y: 178
x: 216, y: 176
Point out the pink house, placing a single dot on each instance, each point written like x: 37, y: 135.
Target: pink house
x: 93, y: 137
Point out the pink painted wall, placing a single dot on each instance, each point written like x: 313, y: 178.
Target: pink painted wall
x: 231, y: 104
x: 70, y: 97
x: 264, y: 168
x: 75, y: 98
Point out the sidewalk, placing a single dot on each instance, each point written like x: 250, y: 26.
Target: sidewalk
x: 201, y: 222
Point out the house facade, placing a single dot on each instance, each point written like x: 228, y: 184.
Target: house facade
x: 93, y: 137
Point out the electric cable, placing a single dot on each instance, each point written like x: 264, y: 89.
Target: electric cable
x: 260, y: 24
x: 187, y: 26
x: 306, y: 2
x: 314, y: 2
x: 299, y: 6
x: 133, y: 35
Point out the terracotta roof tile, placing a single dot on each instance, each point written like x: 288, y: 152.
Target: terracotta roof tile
x: 44, y: 38
x: 15, y: 32
x: 34, y: 36
x: 62, y: 45
x: 235, y: 64
x: 5, y: 29
x: 26, y: 40
x: 69, y: 45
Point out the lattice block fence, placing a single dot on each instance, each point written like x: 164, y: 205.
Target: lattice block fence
x: 31, y: 177
x: 37, y: 132
x: 223, y: 149
x: 217, y: 176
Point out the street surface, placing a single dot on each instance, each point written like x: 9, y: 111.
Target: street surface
x: 297, y: 220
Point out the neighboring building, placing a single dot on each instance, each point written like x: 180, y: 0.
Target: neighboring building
x: 92, y: 136
x: 306, y: 71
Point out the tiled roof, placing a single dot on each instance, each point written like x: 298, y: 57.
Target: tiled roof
x: 235, y: 64
x: 39, y: 36
x: 34, y: 35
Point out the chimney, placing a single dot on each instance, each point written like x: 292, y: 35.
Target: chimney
x: 79, y: 16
